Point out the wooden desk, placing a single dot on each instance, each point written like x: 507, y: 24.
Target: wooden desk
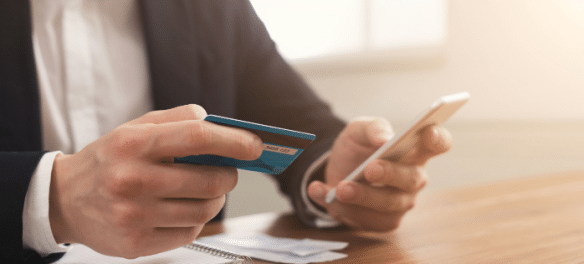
x: 532, y: 220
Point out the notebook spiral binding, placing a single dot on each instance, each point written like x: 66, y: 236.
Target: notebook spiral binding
x: 236, y: 258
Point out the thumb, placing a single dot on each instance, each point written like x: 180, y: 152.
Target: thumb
x: 370, y: 131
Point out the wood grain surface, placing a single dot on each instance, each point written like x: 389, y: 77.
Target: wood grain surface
x: 530, y: 220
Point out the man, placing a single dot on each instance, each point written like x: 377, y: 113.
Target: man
x: 81, y: 79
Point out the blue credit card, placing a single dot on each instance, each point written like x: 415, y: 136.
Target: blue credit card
x: 281, y: 147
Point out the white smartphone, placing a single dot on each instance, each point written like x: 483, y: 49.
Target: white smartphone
x: 402, y: 143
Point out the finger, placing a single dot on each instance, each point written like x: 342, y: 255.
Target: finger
x: 186, y: 138
x: 408, y: 178
x: 156, y: 240
x: 436, y: 140
x: 169, y: 180
x: 381, y: 199
x: 180, y: 236
x: 355, y: 216
x: 369, y: 131
x: 185, y: 212
x: 180, y: 113
x: 317, y: 191
x: 175, y: 180
x: 374, y: 198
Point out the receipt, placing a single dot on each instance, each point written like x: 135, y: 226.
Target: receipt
x: 276, y: 249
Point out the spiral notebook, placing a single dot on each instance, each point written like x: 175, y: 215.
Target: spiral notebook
x: 192, y: 253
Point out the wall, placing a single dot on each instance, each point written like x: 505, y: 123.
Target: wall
x: 518, y: 59
x: 522, y: 62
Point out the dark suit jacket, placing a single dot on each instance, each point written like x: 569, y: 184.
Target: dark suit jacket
x: 213, y: 53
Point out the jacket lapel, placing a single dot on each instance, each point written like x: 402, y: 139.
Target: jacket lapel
x: 172, y: 61
x: 191, y: 54
x: 174, y: 58
x: 19, y: 99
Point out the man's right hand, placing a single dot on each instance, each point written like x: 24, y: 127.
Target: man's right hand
x: 122, y: 195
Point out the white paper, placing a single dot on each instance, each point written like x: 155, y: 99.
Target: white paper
x: 260, y: 246
x: 81, y: 254
x: 283, y: 250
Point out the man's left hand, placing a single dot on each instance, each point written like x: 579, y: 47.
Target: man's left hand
x: 389, y: 189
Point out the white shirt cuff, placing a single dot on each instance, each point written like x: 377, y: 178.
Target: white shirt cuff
x: 323, y: 219
x: 37, y: 233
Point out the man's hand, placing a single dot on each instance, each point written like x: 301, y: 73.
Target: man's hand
x: 389, y: 190
x: 122, y: 195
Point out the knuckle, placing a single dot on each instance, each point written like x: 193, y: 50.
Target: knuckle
x: 228, y: 179
x: 200, y: 217
x: 124, y: 182
x: 408, y: 203
x: 201, y: 135
x: 247, y: 147
x: 209, y: 210
x: 215, y: 185
x: 422, y: 182
x: 190, y: 234
x: 126, y: 141
x: 414, y: 178
x: 419, y: 180
x: 129, y: 217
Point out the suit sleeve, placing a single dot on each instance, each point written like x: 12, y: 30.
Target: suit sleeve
x: 15, y: 175
x: 271, y: 92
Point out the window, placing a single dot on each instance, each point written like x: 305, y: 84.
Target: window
x: 325, y: 29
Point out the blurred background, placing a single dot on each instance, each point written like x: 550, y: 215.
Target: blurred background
x: 522, y: 61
